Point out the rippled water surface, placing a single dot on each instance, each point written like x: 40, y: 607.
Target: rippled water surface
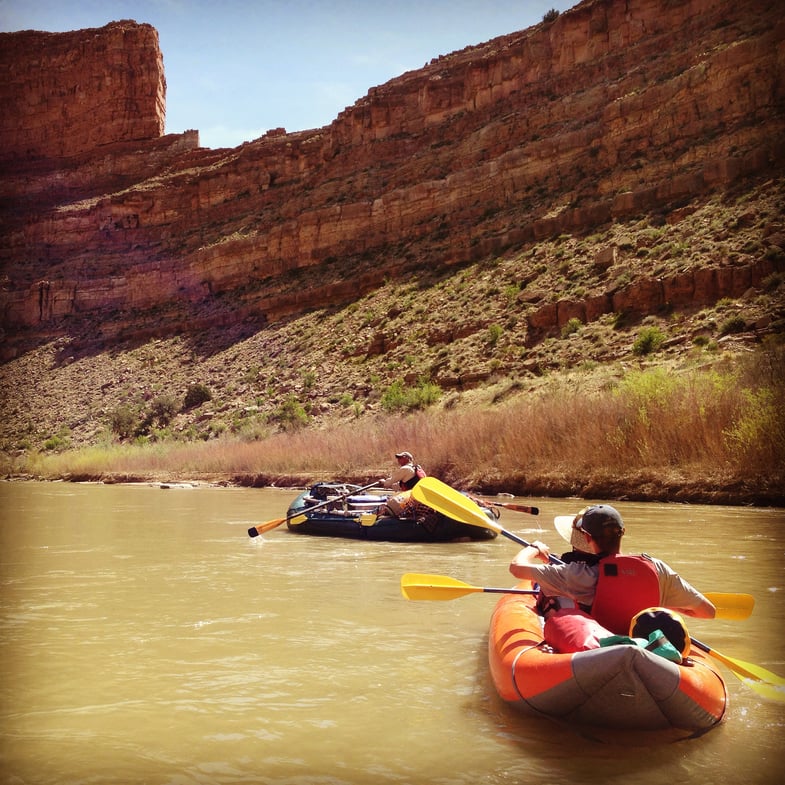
x: 145, y: 638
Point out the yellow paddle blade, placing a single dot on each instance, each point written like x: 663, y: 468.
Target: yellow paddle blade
x: 766, y: 690
x: 441, y: 497
x: 418, y: 586
x: 734, y: 607
x: 764, y: 682
x: 748, y: 671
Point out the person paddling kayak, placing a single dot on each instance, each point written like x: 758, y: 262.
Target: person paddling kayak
x: 601, y: 581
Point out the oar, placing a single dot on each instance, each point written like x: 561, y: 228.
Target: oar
x: 416, y: 586
x: 255, y: 531
x: 765, y: 683
x: 446, y: 500
x: 510, y: 506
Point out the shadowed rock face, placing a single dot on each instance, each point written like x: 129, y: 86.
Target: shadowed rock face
x: 612, y: 110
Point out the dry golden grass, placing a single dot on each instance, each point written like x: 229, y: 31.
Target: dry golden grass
x: 725, y: 427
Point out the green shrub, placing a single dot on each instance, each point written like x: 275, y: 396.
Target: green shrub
x: 733, y: 324
x: 196, y: 395
x: 649, y: 340
x: 123, y: 421
x: 309, y: 379
x: 759, y: 431
x: 291, y: 414
x: 398, y: 397
x: 645, y: 389
x: 618, y: 320
x: 253, y: 431
x: 395, y: 397
x: 56, y: 443
x: 494, y: 333
x: 427, y: 394
x: 163, y: 410
x: 511, y: 291
x: 572, y: 326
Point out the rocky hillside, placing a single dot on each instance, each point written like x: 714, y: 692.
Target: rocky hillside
x: 518, y: 207
x: 463, y: 331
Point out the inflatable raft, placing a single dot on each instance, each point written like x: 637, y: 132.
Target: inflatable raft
x: 340, y: 510
x: 609, y: 692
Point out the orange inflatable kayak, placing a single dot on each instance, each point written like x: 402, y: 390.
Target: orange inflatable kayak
x: 620, y: 688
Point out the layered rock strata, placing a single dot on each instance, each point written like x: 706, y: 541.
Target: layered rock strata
x: 612, y: 110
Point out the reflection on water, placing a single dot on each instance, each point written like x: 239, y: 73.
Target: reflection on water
x: 146, y: 638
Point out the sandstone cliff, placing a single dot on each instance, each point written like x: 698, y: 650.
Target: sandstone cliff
x: 610, y: 111
x: 67, y: 94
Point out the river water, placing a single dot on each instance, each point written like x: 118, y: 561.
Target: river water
x: 145, y: 638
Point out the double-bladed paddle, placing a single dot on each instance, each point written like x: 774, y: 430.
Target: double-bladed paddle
x: 447, y: 500
x: 420, y: 586
x: 729, y: 605
x: 255, y: 531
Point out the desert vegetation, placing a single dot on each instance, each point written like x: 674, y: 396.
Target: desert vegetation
x: 578, y: 434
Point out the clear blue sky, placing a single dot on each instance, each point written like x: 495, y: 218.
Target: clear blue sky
x: 236, y: 68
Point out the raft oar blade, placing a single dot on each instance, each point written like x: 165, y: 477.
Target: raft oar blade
x: 255, y: 531
x: 513, y: 507
x: 521, y: 508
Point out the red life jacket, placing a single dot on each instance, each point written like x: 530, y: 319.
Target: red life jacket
x: 626, y: 585
x: 419, y: 473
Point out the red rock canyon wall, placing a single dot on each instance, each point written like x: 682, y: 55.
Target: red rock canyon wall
x: 613, y: 109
